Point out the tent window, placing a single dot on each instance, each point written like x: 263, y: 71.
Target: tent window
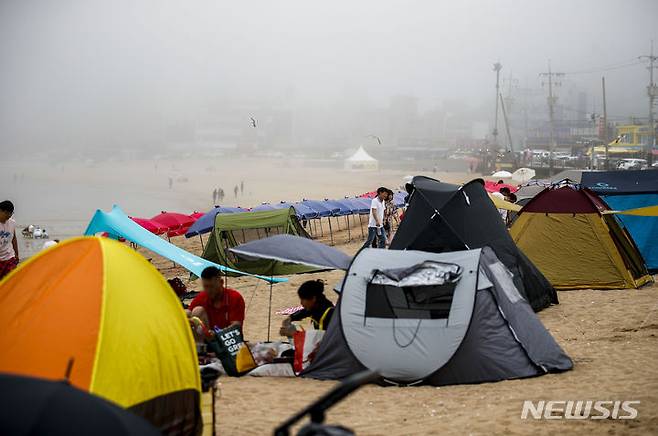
x: 423, y: 291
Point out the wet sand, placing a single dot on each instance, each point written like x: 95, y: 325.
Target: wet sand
x: 63, y: 196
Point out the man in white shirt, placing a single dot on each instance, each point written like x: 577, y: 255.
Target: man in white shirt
x: 8, y: 242
x: 376, y: 220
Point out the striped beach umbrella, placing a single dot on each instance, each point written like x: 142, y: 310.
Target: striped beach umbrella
x: 97, y: 313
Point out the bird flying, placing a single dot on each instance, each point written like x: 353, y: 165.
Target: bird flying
x: 379, y: 141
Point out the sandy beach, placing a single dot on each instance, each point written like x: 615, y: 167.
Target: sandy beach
x: 610, y: 335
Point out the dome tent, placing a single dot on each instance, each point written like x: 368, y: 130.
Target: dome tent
x: 361, y: 160
x: 236, y: 228
x: 463, y: 322
x: 565, y: 232
x: 99, y: 308
x: 442, y: 217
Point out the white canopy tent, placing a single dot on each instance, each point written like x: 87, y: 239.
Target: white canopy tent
x: 360, y: 161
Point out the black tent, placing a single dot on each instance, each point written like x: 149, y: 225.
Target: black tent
x: 33, y: 406
x: 443, y: 217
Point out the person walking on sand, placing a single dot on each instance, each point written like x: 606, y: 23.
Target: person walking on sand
x: 214, y: 196
x: 8, y: 241
x: 242, y: 187
x: 235, y: 191
x: 376, y: 220
x: 171, y: 182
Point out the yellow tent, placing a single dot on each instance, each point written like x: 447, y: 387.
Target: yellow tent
x: 95, y: 311
x: 567, y: 234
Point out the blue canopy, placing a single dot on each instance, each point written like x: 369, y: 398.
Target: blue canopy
x: 338, y: 208
x: 359, y: 205
x: 398, y: 198
x: 319, y: 208
x: 301, y: 211
x: 282, y: 205
x: 206, y: 222
x: 305, y: 212
x: 117, y: 224
x: 643, y: 229
x: 262, y: 207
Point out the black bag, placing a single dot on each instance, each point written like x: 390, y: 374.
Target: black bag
x: 225, y: 344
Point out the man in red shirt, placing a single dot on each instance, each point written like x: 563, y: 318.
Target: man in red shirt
x: 217, y: 306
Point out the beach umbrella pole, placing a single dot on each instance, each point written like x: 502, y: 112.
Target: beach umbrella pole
x: 349, y: 234
x: 169, y: 240
x: 201, y: 239
x: 331, y: 233
x: 363, y: 235
x: 269, y: 312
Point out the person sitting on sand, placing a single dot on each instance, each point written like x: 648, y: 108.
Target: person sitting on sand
x: 316, y: 306
x: 217, y: 306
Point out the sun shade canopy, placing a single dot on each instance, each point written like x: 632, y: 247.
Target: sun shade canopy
x: 293, y: 249
x: 176, y: 223
x: 636, y: 194
x: 117, y: 224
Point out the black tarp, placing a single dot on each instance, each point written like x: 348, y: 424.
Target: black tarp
x: 621, y: 182
x: 444, y: 217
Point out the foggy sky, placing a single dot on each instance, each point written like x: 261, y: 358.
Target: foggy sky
x: 87, y: 71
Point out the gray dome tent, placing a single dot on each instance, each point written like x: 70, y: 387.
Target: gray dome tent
x: 434, y: 318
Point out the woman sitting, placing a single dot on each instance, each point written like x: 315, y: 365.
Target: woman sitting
x: 316, y: 306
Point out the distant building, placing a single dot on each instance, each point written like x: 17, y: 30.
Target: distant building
x: 633, y: 135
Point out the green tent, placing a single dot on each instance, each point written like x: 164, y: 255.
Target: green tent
x: 233, y: 229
